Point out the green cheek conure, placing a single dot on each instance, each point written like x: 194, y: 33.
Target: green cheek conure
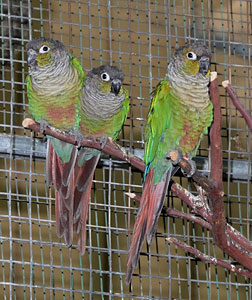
x: 54, y: 87
x: 179, y: 115
x: 104, y: 108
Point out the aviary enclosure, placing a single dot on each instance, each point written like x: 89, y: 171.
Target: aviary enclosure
x: 139, y: 37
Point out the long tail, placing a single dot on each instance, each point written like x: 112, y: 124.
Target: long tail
x: 83, y: 183
x: 72, y: 183
x: 146, y: 222
x: 62, y: 176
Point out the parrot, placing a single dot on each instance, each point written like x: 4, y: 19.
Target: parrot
x: 54, y: 87
x: 104, y: 108
x: 179, y: 115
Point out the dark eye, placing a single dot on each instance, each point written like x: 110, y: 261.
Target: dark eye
x: 44, y: 49
x: 105, y: 76
x: 191, y: 55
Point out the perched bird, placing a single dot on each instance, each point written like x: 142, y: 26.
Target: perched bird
x: 104, y: 107
x: 179, y: 115
x: 54, y: 88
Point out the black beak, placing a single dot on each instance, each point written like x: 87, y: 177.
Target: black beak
x: 116, y: 86
x: 31, y: 56
x: 204, y: 63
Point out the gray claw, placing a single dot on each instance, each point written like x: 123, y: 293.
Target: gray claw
x: 103, y: 141
x: 43, y: 125
x: 78, y: 137
x: 193, y: 168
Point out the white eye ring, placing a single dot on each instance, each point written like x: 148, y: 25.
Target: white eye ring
x: 44, y: 49
x: 191, y: 55
x: 105, y: 76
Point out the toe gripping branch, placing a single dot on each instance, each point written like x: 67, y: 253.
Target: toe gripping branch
x: 177, y: 157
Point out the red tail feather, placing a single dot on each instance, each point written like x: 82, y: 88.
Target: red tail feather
x: 149, y: 210
x: 156, y: 205
x: 49, y: 158
x: 72, y: 194
x: 63, y: 196
x: 59, y: 228
x: 83, y: 183
x: 80, y: 220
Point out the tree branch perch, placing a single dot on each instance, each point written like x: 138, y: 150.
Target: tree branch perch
x: 209, y: 259
x: 237, y: 103
x: 215, y: 133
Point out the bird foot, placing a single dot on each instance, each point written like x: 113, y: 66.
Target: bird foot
x: 193, y: 167
x: 78, y: 137
x: 103, y: 141
x: 43, y: 125
x: 175, y: 156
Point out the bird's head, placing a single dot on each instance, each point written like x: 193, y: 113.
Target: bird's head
x: 109, y: 78
x: 42, y: 52
x: 193, y: 59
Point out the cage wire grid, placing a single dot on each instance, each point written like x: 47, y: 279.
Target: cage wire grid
x: 139, y: 37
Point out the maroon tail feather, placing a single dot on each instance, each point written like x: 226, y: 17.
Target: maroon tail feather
x: 72, y: 185
x: 149, y: 210
x: 156, y: 204
x: 49, y: 157
x: 63, y: 180
x: 83, y: 183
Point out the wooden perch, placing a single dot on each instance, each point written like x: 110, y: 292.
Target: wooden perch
x: 110, y: 147
x: 209, y: 259
x: 237, y: 103
x: 200, y: 208
x: 219, y: 229
x: 172, y: 212
x: 215, y: 133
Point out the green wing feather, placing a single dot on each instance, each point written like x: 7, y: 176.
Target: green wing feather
x: 36, y: 108
x: 76, y: 64
x: 158, y: 120
x: 121, y: 116
x: 161, y: 133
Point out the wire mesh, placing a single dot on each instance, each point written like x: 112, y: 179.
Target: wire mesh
x: 139, y: 37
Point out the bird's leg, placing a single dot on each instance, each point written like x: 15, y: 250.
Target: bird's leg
x: 103, y: 141
x: 43, y: 125
x: 193, y: 167
x: 78, y: 137
x: 176, y: 156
